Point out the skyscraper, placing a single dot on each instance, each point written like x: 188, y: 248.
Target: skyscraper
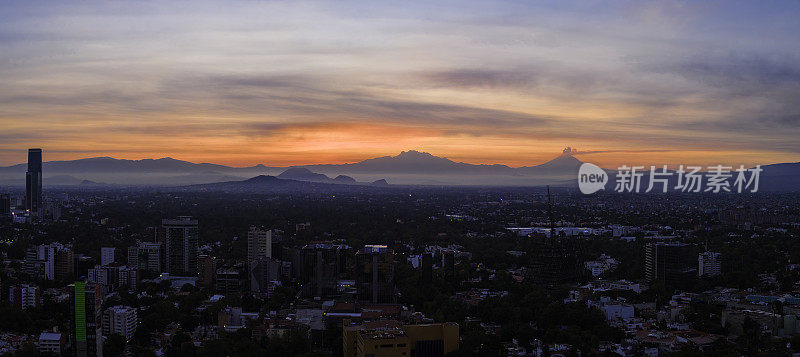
x: 87, y: 333
x: 33, y: 181
x: 181, y: 244
x: 375, y: 274
x: 146, y: 256
x: 668, y: 263
x: 259, y: 244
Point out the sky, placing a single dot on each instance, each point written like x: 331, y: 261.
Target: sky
x: 296, y: 82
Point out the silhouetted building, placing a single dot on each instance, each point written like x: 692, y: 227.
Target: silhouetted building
x: 229, y: 281
x: 207, y: 267
x: 448, y: 263
x: 263, y: 271
x: 426, y: 267
x: 557, y: 261
x: 181, y: 245
x: 82, y: 265
x: 668, y: 263
x: 33, y: 182
x: 5, y: 207
x: 87, y: 333
x: 318, y: 266
x: 375, y: 274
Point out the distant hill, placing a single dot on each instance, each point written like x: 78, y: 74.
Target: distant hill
x: 165, y: 172
x: 272, y: 184
x: 303, y: 174
x: 407, y: 168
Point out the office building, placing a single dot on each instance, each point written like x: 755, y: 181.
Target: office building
x: 557, y: 261
x: 87, y: 335
x: 229, y: 281
x: 24, y: 296
x: 207, y: 267
x: 52, y: 261
x: 375, y: 274
x: 5, y: 207
x: 107, y: 255
x: 318, y: 266
x: 709, y: 264
x: 33, y: 182
x: 259, y: 244
x: 113, y: 276
x: 82, y: 264
x: 180, y: 239
x: 263, y: 271
x: 668, y: 263
x: 146, y: 256
x: 391, y: 338
x: 120, y: 320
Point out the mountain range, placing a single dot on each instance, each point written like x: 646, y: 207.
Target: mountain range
x: 407, y: 168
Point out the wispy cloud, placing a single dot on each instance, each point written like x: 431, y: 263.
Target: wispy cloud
x: 506, y: 82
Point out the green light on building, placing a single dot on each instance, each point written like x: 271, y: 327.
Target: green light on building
x: 80, y: 311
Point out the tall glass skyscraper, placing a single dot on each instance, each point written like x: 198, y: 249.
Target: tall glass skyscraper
x: 180, y: 245
x: 33, y: 181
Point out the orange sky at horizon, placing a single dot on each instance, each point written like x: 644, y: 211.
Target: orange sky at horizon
x: 297, y: 83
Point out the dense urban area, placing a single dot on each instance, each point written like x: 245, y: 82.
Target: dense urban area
x: 398, y: 271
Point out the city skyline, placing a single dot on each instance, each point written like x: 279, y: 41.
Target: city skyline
x: 306, y: 83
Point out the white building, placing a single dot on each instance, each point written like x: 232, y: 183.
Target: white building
x: 51, y: 342
x: 614, y: 309
x: 709, y: 264
x: 120, y: 320
x: 107, y: 255
x: 24, y: 296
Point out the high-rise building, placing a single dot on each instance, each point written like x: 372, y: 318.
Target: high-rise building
x: 557, y: 261
x: 24, y: 296
x: 107, y: 255
x: 263, y: 271
x: 120, y: 320
x: 207, y: 267
x: 229, y: 280
x: 113, y: 276
x: 180, y: 245
x: 49, y: 261
x: 33, y: 181
x: 87, y: 335
x: 146, y: 256
x: 709, y: 264
x: 426, y: 267
x: 375, y: 274
x: 318, y: 266
x: 5, y: 207
x: 82, y: 264
x: 668, y: 263
x: 259, y: 244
